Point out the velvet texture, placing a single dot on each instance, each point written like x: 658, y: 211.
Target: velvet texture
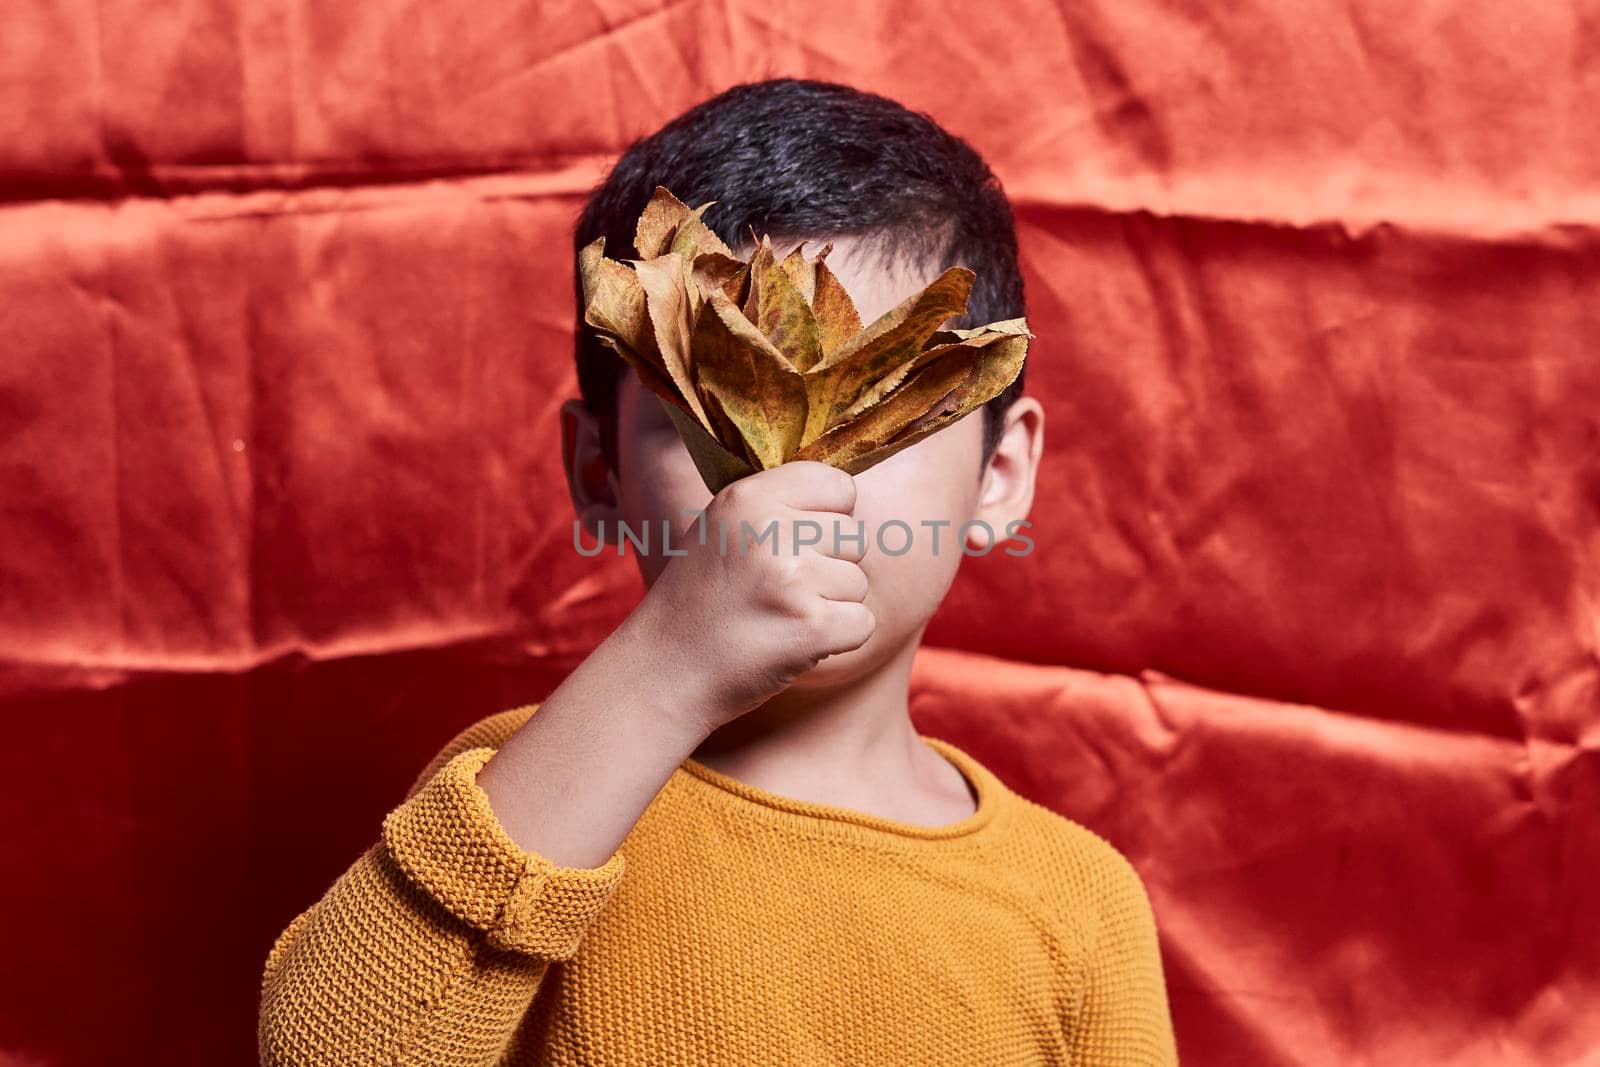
x: 1310, y: 627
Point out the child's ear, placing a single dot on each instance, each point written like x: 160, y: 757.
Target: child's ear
x: 1008, y: 480
x: 591, y: 482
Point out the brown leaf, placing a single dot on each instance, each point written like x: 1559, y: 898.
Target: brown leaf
x: 757, y: 388
x: 674, y: 304
x: 614, y: 304
x: 984, y: 374
x: 834, y: 385
x: 658, y: 221
x: 712, y: 270
x: 871, y: 432
x: 1007, y: 326
x: 802, y: 272
x: 762, y: 362
x: 985, y: 381
x: 981, y: 338
x: 776, y: 307
x: 835, y: 312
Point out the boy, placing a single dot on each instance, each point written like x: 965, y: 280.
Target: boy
x: 808, y: 880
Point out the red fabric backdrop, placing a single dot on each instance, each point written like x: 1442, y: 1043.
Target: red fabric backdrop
x: 1310, y: 632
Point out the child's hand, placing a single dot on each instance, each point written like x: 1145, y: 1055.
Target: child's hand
x: 747, y: 621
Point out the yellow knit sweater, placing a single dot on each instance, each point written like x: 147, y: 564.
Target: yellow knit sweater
x: 749, y: 928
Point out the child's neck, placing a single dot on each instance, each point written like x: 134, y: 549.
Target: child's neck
x: 852, y: 745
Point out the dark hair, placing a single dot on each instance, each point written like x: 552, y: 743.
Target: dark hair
x: 797, y: 158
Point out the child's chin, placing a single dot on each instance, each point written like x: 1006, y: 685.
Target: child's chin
x: 837, y: 668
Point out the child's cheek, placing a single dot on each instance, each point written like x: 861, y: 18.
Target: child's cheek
x: 913, y: 551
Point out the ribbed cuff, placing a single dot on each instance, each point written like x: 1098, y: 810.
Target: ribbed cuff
x: 447, y: 839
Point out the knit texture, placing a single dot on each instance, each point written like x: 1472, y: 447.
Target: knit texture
x: 743, y: 928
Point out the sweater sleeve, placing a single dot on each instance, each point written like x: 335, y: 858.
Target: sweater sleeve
x: 1125, y: 1018
x: 432, y: 947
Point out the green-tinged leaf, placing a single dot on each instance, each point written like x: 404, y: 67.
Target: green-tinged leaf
x: 760, y: 262
x: 761, y: 393
x: 780, y: 312
x: 834, y: 385
x: 725, y: 430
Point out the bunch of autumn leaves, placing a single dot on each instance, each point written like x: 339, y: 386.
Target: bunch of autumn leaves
x: 766, y: 361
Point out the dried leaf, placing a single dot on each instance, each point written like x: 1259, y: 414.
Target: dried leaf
x: 834, y: 385
x: 833, y: 308
x: 766, y: 361
x: 673, y: 305
x: 877, y: 428
x: 778, y: 309
x: 761, y: 392
x: 653, y: 232
x: 941, y: 342
x: 869, y: 439
x: 717, y: 466
x: 986, y: 380
x: 670, y: 225
x: 712, y: 270
x: 614, y: 304
x: 802, y: 272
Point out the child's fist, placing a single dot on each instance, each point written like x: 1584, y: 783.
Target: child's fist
x: 750, y: 613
